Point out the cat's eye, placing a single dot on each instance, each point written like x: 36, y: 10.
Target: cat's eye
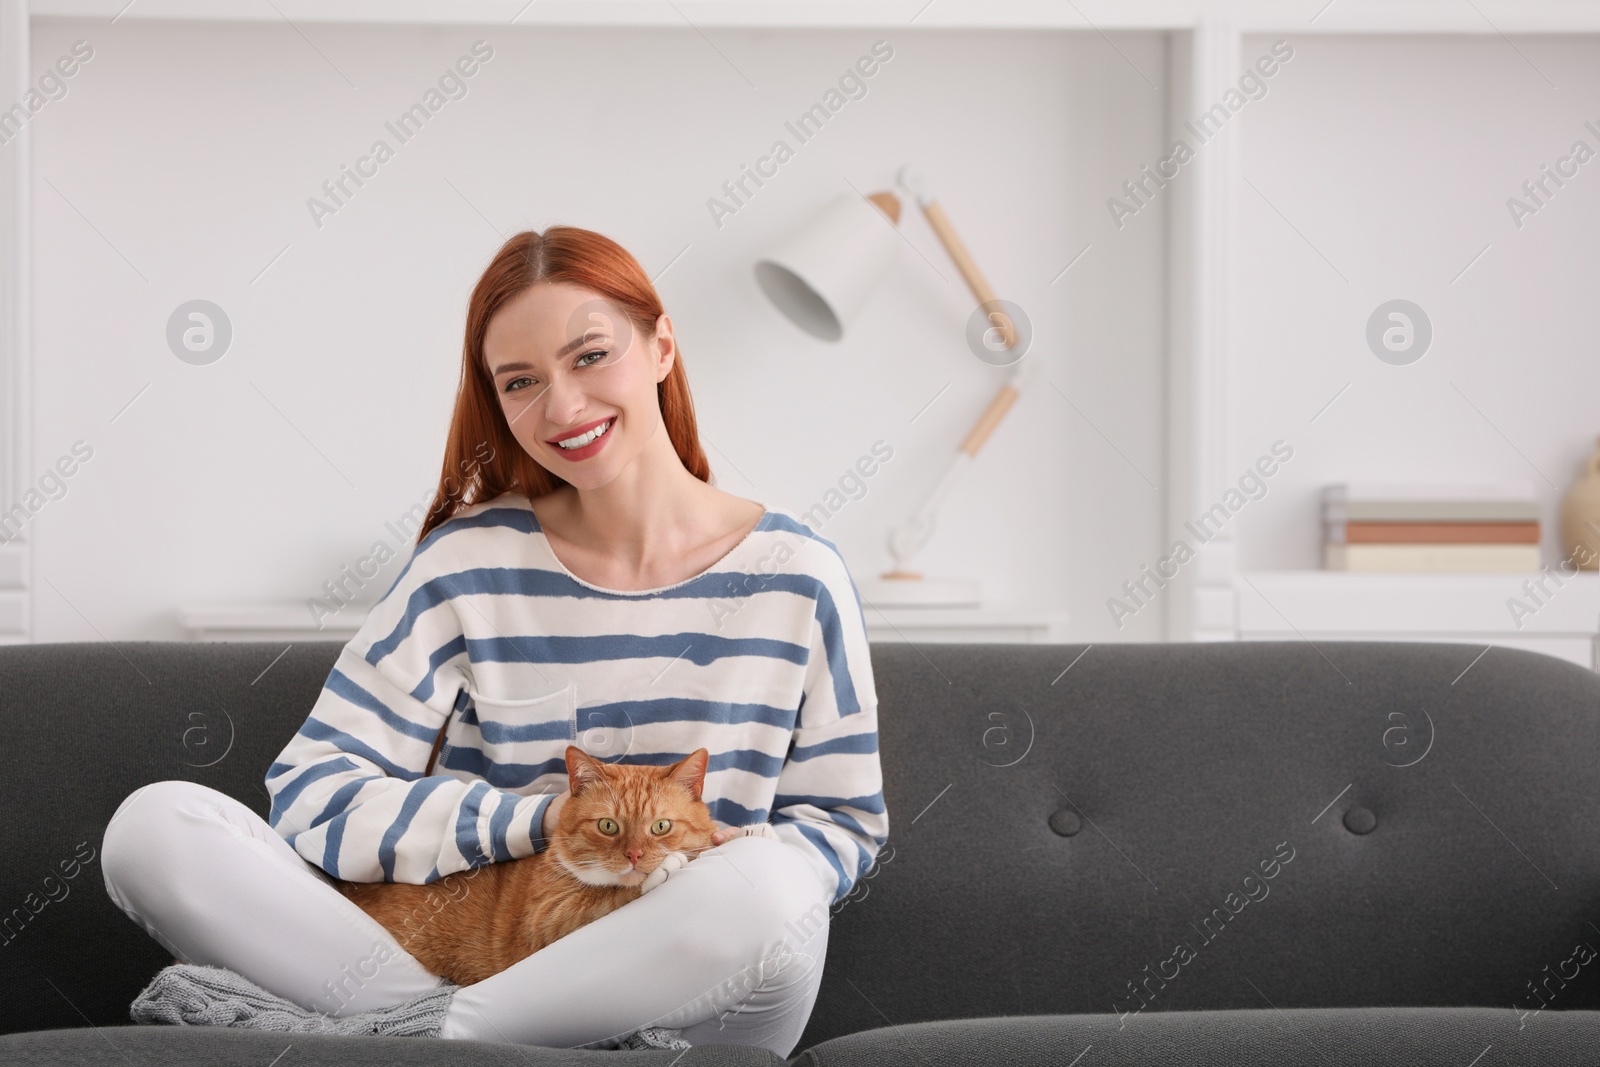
x: 661, y: 826
x: 608, y: 826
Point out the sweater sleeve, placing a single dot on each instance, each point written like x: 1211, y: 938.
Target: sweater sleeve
x: 348, y: 791
x: 829, y: 798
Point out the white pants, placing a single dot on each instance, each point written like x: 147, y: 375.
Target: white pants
x: 730, y: 948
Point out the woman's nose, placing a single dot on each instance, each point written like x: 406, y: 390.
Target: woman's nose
x: 562, y: 406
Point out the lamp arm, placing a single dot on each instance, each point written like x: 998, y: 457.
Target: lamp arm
x: 913, y: 181
x: 907, y: 539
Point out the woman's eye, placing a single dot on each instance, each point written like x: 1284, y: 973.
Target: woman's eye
x: 601, y: 355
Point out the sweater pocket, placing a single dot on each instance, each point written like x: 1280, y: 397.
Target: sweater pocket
x: 605, y: 731
x: 524, y: 739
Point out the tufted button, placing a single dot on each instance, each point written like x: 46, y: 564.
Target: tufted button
x: 1065, y: 822
x: 1360, y: 821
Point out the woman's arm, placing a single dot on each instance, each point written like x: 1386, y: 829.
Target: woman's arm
x: 829, y: 798
x: 348, y: 791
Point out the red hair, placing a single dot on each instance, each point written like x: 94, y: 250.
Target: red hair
x: 561, y: 254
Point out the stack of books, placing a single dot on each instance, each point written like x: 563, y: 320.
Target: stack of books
x: 1387, y: 526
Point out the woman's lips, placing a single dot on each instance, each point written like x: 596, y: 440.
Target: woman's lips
x: 579, y: 431
x: 593, y: 447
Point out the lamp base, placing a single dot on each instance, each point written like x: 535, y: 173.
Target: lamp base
x: 908, y: 589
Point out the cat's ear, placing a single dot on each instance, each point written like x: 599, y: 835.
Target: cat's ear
x: 690, y: 772
x: 582, y: 770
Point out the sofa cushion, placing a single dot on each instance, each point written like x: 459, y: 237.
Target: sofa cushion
x: 219, y: 1046
x: 1264, y: 1037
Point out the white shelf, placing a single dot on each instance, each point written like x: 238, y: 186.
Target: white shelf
x: 1470, y: 608
x: 268, y: 622
x: 1441, y: 603
x: 990, y: 625
x: 1248, y: 16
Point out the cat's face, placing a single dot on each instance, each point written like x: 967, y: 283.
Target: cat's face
x: 622, y: 819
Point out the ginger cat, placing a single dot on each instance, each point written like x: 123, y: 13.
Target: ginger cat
x: 619, y: 825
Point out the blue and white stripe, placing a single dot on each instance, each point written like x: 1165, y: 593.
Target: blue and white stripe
x: 762, y: 660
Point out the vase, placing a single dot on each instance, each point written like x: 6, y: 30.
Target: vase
x: 1580, y: 517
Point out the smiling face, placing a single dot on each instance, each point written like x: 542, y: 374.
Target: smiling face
x: 568, y: 365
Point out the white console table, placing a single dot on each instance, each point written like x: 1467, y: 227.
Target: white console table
x: 268, y: 622
x: 1471, y: 608
x: 998, y: 624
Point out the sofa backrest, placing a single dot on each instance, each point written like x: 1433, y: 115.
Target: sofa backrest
x: 1129, y: 826
x: 1161, y: 827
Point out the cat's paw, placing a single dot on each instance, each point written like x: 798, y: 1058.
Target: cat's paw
x: 672, y: 861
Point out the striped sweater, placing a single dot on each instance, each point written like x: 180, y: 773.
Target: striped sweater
x: 761, y: 659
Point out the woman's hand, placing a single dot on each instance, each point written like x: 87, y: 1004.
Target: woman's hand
x: 550, y: 813
x: 728, y: 833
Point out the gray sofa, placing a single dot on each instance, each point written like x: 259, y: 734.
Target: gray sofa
x: 1257, y: 853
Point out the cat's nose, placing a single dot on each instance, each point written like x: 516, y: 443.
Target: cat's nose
x: 634, y: 854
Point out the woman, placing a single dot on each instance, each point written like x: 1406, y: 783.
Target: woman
x: 583, y: 559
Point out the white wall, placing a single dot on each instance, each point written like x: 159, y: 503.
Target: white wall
x: 180, y: 162
x: 1394, y: 158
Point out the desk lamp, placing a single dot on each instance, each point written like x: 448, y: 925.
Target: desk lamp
x: 822, y: 276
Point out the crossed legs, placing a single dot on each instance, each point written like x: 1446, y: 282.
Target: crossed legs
x: 729, y: 949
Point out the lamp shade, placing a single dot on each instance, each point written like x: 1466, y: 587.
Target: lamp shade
x: 824, y: 273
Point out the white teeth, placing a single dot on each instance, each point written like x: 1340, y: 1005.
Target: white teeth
x: 583, y: 439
